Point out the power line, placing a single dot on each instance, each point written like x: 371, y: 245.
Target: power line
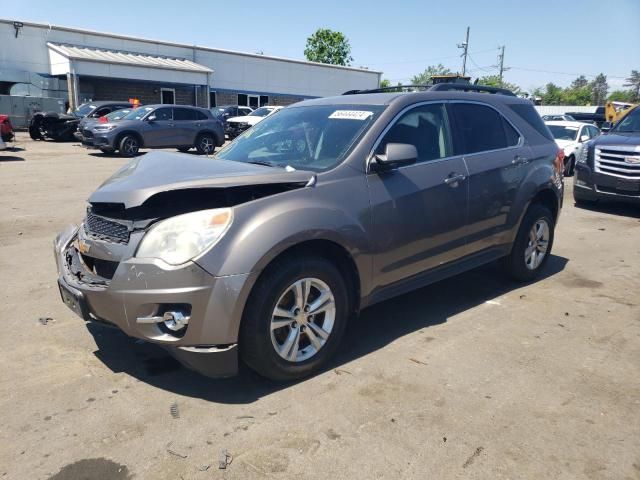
x: 565, y: 73
x: 433, y: 59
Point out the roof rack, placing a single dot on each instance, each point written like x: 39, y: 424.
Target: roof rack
x: 439, y: 87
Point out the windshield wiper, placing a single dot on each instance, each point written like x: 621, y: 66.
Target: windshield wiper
x: 262, y: 162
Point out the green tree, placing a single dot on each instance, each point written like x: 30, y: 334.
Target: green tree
x: 385, y: 83
x: 425, y: 77
x: 494, y: 81
x: 599, y: 89
x: 627, y: 96
x: 551, y: 95
x: 579, y: 82
x: 634, y: 82
x: 327, y: 46
x: 577, y: 95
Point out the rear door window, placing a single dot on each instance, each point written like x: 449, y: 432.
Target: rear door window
x: 480, y: 128
x: 529, y: 115
x: 184, y: 114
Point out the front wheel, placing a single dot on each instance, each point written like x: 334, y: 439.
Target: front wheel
x: 129, y: 146
x: 532, y: 248
x: 569, y: 166
x: 205, y: 144
x: 294, y: 319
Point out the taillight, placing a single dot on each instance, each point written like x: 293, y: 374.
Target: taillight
x: 558, y: 164
x: 103, y: 120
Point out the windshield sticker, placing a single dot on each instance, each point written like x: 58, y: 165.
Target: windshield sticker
x: 351, y: 114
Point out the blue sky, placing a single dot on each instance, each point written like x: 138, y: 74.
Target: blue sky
x: 545, y: 40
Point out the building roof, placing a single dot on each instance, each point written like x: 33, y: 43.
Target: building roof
x: 90, y: 54
x: 183, y: 45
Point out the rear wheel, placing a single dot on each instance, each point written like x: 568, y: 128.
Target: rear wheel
x: 294, y: 319
x: 129, y: 146
x: 205, y: 144
x: 532, y: 248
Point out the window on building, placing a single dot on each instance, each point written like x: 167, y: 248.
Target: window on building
x: 264, y: 100
x: 212, y: 99
x: 167, y: 96
x: 254, y: 101
x: 243, y: 99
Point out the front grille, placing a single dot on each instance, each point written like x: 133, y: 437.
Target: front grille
x: 619, y: 161
x: 87, y: 133
x: 104, y: 229
x: 102, y: 268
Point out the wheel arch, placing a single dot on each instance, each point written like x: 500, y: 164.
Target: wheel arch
x: 128, y: 132
x: 216, y: 137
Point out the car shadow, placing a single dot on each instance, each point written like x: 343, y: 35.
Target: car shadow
x: 374, y: 329
x: 612, y: 207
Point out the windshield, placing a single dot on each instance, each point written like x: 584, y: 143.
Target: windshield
x: 84, y: 110
x: 561, y: 132
x: 313, y: 138
x: 262, y: 112
x: 118, y: 114
x: 137, y: 114
x: 630, y: 123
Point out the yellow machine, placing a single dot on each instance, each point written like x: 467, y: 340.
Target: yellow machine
x: 615, y: 111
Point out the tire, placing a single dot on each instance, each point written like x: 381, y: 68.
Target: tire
x: 34, y: 129
x: 519, y: 265
x: 129, y: 146
x: 570, y: 166
x: 259, y: 342
x: 107, y: 151
x: 184, y: 149
x: 205, y: 144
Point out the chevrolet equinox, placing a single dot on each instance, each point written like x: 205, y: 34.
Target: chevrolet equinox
x: 329, y: 206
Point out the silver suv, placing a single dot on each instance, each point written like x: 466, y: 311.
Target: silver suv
x: 157, y: 126
x: 328, y: 207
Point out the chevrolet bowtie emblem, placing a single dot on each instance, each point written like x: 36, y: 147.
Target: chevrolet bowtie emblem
x: 83, y: 247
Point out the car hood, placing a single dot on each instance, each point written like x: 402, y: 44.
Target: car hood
x: 119, y: 123
x: 565, y: 143
x: 618, y: 139
x: 158, y: 172
x: 246, y: 119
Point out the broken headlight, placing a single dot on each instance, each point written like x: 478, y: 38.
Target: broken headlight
x: 179, y: 239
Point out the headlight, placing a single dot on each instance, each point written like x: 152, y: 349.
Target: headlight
x: 582, y: 158
x: 104, y: 128
x: 179, y: 239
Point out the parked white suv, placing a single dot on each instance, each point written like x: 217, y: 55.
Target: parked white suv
x: 570, y: 136
x: 236, y: 125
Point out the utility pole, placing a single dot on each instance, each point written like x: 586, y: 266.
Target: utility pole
x: 465, y: 47
x: 501, y: 66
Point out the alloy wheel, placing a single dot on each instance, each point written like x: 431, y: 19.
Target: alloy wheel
x: 206, y: 144
x: 130, y: 146
x: 538, y: 244
x: 302, y: 319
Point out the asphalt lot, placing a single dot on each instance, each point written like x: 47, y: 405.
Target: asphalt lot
x: 474, y: 377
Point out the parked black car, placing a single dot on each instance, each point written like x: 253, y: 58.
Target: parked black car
x: 224, y: 112
x: 597, y: 117
x: 61, y: 127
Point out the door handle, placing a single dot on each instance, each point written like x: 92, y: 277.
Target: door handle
x: 518, y: 160
x: 171, y: 124
x: 453, y: 179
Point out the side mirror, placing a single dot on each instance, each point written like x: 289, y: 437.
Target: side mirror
x: 396, y: 155
x: 151, y: 118
x: 606, y: 126
x: 584, y: 138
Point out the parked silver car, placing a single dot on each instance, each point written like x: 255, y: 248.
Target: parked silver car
x: 325, y: 208
x: 157, y: 126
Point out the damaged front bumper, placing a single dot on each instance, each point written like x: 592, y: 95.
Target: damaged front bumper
x: 143, y: 289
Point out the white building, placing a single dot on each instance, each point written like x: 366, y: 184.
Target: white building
x: 76, y: 65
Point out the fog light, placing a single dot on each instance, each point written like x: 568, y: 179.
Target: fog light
x: 175, y: 321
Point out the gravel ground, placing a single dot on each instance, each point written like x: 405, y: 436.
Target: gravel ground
x: 474, y: 377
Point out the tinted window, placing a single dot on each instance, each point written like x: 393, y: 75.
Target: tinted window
x: 184, y: 114
x: 478, y: 128
x: 242, y: 99
x: 200, y: 115
x: 594, y: 132
x: 513, y: 137
x: 426, y: 128
x: 163, y: 114
x: 529, y: 115
x: 101, y: 112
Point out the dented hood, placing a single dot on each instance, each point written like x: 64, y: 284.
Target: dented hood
x: 158, y: 172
